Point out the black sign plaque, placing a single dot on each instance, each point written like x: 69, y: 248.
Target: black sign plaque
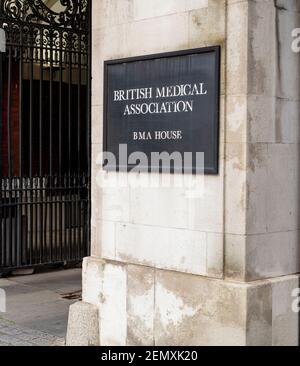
x: 163, y: 103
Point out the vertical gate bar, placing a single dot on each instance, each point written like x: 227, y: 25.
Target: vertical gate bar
x: 51, y: 149
x: 16, y: 232
x: 2, y: 220
x: 44, y: 218
x: 88, y: 144
x: 35, y: 178
x: 41, y: 105
x: 8, y: 119
x: 1, y: 223
x: 27, y: 216
x: 1, y: 115
x: 41, y: 192
x: 60, y: 144
x: 60, y: 103
x: 81, y: 221
x: 21, y: 107
x: 79, y: 108
x: 69, y: 195
x: 9, y: 157
x: 65, y: 183
x: 5, y: 263
x: 20, y: 194
x: 30, y: 187
x: 71, y: 218
x: 36, y: 199
x: 79, y: 150
x: 56, y: 192
x: 70, y: 110
x: 31, y: 106
x: 55, y: 214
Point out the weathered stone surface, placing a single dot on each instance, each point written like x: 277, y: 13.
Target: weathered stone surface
x: 167, y: 218
x: 248, y: 219
x: 262, y: 194
x: 259, y: 315
x: 193, y: 311
x: 235, y: 254
x: 140, y: 306
x: 105, y: 286
x: 83, y: 325
x: 285, y: 331
x: 271, y: 255
x: 144, y: 306
x: 113, y: 312
x: 92, y: 280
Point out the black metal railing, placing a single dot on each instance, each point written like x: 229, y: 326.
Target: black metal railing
x: 43, y: 220
x: 45, y: 84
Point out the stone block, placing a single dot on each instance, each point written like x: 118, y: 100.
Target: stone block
x: 97, y: 119
x: 143, y: 306
x: 173, y: 249
x: 156, y: 35
x: 235, y: 257
x: 257, y: 189
x: 111, y: 13
x: 207, y: 25
x: 92, y: 280
x: 140, y: 305
x: 259, y: 315
x: 284, y: 324
x: 236, y: 117
x: 272, y: 255
x: 235, y: 189
x: 83, y: 325
x: 237, y: 48
x: 262, y: 48
x: 283, y: 187
x: 113, y: 315
x: 144, y: 9
x: 193, y: 311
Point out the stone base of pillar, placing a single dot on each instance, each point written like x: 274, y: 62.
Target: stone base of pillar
x: 83, y: 325
x: 144, y: 306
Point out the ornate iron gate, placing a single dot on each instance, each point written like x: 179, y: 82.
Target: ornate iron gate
x: 44, y: 132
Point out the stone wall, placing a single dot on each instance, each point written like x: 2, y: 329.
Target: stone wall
x: 170, y: 270
x: 150, y: 223
x: 145, y: 306
x: 267, y: 243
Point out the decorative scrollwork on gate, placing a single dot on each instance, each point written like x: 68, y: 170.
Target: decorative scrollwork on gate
x: 33, y: 25
x: 74, y: 13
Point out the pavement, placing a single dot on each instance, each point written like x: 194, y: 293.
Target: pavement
x: 37, y: 307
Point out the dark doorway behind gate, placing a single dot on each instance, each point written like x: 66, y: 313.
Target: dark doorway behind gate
x: 44, y: 132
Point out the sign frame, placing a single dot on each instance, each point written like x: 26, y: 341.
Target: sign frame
x: 213, y: 170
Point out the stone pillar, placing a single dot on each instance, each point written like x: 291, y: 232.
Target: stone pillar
x: 218, y: 270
